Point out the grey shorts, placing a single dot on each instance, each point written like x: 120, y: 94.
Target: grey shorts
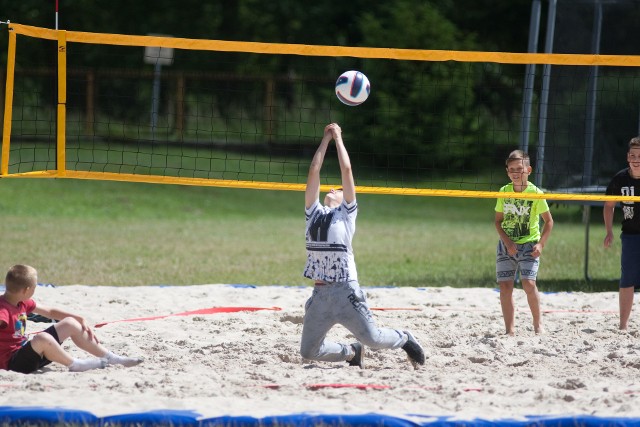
x: 507, y: 265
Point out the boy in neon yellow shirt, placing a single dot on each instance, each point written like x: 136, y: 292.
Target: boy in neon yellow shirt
x: 521, y: 242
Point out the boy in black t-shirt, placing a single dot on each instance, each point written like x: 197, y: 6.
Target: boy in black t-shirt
x: 624, y: 183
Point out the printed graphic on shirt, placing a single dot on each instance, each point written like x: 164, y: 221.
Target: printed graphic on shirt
x: 325, y: 259
x: 623, y: 184
x: 330, y: 268
x: 627, y: 207
x: 20, y: 326
x: 517, y: 214
x: 319, y: 228
x: 327, y: 244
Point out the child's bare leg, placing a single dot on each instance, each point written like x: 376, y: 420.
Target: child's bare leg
x: 508, y: 308
x: 44, y: 344
x: 71, y: 328
x: 626, y: 304
x: 533, y: 298
x: 47, y: 346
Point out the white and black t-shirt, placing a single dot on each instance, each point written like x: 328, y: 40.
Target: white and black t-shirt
x: 329, y: 232
x: 623, y: 184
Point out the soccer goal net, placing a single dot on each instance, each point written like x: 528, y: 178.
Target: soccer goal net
x: 243, y: 114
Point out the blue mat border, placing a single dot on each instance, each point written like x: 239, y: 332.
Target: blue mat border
x: 15, y: 415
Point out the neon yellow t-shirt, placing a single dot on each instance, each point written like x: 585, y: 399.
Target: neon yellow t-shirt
x: 522, y: 216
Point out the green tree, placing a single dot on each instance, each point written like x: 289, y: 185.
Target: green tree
x: 431, y: 113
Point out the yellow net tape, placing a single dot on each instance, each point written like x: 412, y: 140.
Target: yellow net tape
x: 333, y: 51
x: 257, y: 185
x: 312, y: 50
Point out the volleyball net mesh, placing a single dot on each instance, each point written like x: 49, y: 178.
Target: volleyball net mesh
x: 241, y: 114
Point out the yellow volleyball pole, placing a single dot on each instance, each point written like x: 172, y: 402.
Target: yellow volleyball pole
x: 8, y: 103
x: 62, y: 104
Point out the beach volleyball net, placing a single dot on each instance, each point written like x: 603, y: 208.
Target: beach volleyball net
x: 160, y: 109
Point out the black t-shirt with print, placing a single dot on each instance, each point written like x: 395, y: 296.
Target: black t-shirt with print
x: 623, y: 184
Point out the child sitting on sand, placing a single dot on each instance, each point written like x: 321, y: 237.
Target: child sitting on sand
x: 21, y: 354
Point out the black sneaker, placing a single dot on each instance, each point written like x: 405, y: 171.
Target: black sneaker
x: 414, y: 350
x: 358, y: 357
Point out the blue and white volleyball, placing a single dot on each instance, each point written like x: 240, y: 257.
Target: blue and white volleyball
x: 352, y: 88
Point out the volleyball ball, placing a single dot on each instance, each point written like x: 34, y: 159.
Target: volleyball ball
x: 352, y: 88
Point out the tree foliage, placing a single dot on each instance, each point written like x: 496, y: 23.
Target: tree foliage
x: 442, y: 111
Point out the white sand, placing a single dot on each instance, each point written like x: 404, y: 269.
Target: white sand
x: 247, y: 363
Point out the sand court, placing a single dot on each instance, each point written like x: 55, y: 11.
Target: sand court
x: 233, y: 350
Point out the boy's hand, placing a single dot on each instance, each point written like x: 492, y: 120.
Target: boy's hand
x: 537, y: 250
x: 512, y: 248
x: 327, y: 132
x: 87, y: 329
x: 608, y: 239
x: 335, y: 130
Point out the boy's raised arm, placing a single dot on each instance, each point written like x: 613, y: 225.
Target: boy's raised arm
x: 348, y: 184
x: 312, y: 191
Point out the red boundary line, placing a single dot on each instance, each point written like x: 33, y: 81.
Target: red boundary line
x: 211, y: 310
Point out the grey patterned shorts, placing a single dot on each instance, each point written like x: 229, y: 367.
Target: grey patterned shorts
x: 507, y: 265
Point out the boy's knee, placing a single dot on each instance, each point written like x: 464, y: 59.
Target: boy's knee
x: 43, y: 339
x: 306, y: 353
x: 309, y: 352
x: 69, y: 321
x: 529, y: 286
x: 41, y: 342
x: 506, y: 285
x: 68, y: 324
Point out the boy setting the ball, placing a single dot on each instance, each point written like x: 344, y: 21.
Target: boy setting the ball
x: 337, y: 297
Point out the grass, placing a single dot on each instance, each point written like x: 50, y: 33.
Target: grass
x: 109, y: 233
